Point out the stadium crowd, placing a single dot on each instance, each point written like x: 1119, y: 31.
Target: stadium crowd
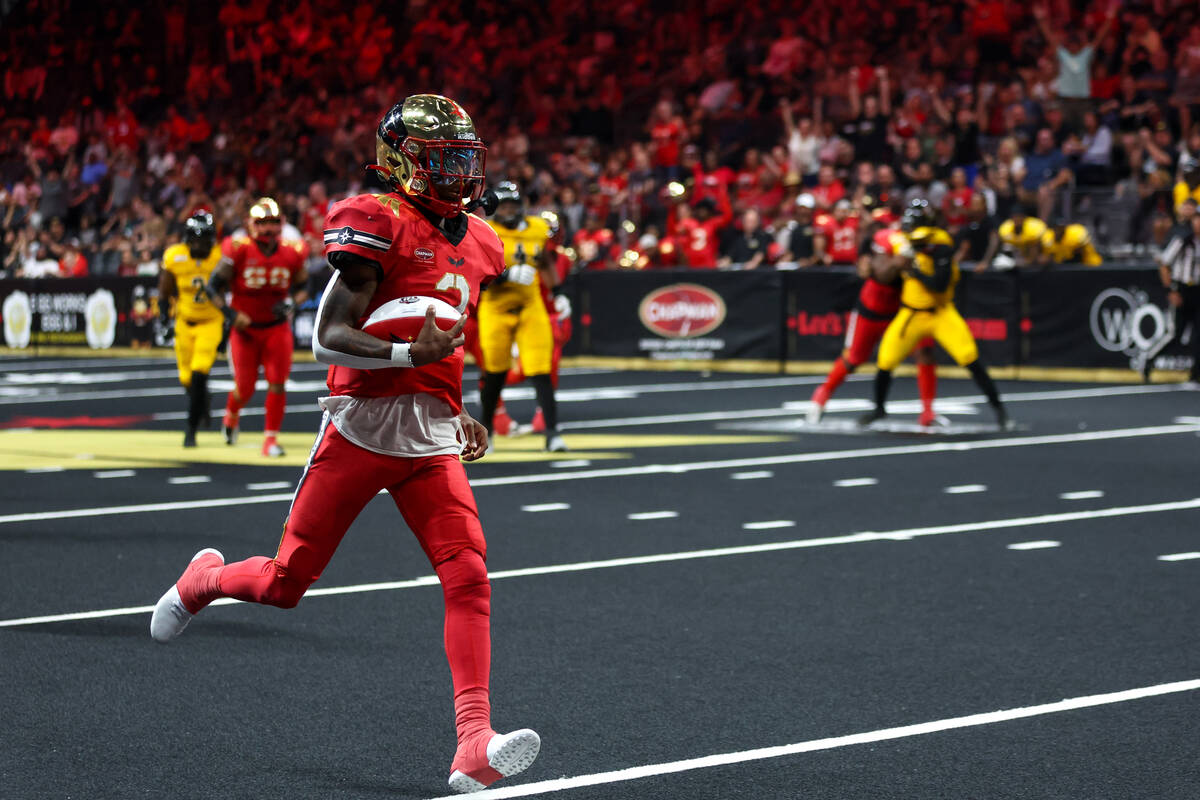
x: 699, y: 134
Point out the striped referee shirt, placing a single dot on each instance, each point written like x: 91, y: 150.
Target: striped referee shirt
x: 1182, y: 257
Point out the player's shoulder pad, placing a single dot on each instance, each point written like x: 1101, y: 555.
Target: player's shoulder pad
x: 363, y: 220
x: 175, y: 253
x: 485, y: 231
x: 538, y: 225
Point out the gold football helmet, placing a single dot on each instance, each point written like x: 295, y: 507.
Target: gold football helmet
x: 266, y: 221
x: 426, y: 147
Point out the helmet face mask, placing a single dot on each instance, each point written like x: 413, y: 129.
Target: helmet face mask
x: 200, y: 234
x: 510, y: 205
x: 426, y: 148
x: 917, y: 215
x: 266, y: 222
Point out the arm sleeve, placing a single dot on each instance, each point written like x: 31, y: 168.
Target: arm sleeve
x: 350, y: 229
x: 400, y: 352
x: 943, y: 269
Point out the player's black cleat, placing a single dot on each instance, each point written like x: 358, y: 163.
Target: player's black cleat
x: 1002, y: 420
x: 874, y: 415
x: 189, y: 437
x: 230, y: 432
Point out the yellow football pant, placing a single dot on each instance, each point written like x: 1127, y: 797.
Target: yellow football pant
x: 196, y: 347
x: 507, y: 317
x: 910, y: 326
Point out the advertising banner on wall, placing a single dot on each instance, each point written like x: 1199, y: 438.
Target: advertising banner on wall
x: 1099, y: 317
x: 682, y: 315
x: 97, y: 313
x: 820, y: 301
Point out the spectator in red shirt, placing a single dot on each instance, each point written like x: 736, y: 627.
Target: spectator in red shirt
x: 698, y: 231
x: 667, y: 132
x: 73, y: 264
x: 957, y: 200
x: 829, y: 188
x: 840, y: 231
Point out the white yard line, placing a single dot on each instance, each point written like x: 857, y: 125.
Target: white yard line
x: 1090, y: 494
x: 901, y: 535
x: 847, y: 483
x: 966, y: 488
x: 816, y: 745
x: 1043, y: 544
x: 1179, y: 557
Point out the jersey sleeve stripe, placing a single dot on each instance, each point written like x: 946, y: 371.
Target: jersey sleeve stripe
x: 348, y: 235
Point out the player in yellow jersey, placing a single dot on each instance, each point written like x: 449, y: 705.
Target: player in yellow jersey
x: 927, y: 309
x: 1022, y: 237
x: 1069, y: 243
x: 199, y: 324
x: 512, y: 310
x: 1189, y: 183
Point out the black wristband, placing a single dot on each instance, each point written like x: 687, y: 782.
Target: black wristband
x: 1175, y: 285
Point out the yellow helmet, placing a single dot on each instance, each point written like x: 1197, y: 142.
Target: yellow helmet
x: 426, y: 147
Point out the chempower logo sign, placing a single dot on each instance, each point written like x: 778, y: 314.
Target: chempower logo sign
x: 682, y: 311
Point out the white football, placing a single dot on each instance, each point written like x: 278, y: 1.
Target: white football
x: 400, y: 320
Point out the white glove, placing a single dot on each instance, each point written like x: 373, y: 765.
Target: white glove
x: 562, y: 306
x: 522, y: 274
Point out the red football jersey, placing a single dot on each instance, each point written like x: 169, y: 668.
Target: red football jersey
x: 841, y: 239
x: 260, y: 281
x: 417, y: 259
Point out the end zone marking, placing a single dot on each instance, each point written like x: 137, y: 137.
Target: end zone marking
x: 867, y: 737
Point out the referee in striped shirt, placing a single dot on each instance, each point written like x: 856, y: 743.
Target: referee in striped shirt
x: 1179, y: 266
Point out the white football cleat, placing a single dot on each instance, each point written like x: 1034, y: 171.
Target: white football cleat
x: 272, y: 449
x: 815, y: 412
x: 507, y: 754
x: 555, y: 443
x: 170, y: 616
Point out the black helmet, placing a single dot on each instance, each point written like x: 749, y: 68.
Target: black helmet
x: 917, y: 215
x: 507, y: 192
x: 200, y: 234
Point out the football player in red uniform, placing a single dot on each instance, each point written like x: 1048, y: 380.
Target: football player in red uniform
x: 879, y: 262
x: 266, y: 278
x: 394, y: 419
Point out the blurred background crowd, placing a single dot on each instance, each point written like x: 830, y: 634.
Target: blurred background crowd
x: 662, y: 134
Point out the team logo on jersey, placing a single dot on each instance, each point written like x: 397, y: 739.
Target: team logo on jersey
x: 682, y: 311
x: 456, y: 262
x: 423, y: 254
x: 345, y: 235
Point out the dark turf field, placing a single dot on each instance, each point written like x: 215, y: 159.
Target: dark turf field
x: 706, y: 598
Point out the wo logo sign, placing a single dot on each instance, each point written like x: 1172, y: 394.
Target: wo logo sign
x: 1125, y: 321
